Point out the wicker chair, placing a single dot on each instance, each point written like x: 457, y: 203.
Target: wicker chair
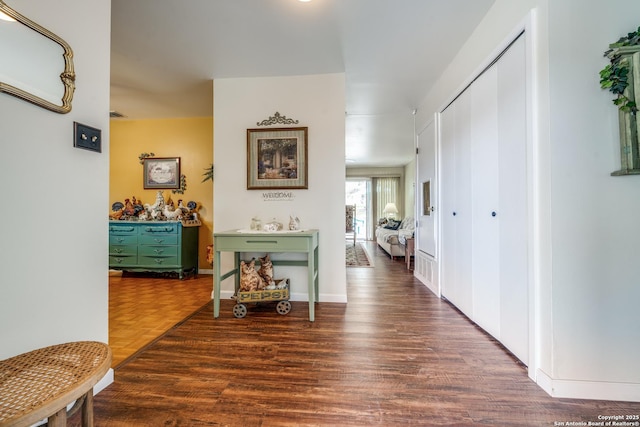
x: 350, y: 217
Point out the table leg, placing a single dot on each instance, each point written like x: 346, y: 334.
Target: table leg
x: 311, y: 287
x: 317, y: 273
x: 216, y: 283
x: 236, y: 266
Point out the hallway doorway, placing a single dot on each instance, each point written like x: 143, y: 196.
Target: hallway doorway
x: 358, y: 192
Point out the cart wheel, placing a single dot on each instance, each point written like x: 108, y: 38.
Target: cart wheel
x: 239, y: 310
x: 283, y: 307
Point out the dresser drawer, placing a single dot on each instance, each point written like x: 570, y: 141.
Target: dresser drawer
x: 119, y: 239
x: 122, y: 260
x: 156, y: 251
x: 158, y: 261
x: 122, y: 229
x: 253, y: 243
x: 159, y: 239
x: 159, y: 229
x: 121, y: 250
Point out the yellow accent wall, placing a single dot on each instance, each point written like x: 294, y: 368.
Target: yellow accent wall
x: 191, y: 139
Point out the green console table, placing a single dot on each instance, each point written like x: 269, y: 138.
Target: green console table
x: 158, y: 246
x: 238, y: 241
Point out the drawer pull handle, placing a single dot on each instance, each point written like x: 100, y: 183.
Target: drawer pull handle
x: 120, y: 239
x: 158, y: 251
x: 118, y: 250
x: 118, y: 260
x: 262, y: 241
x: 158, y: 240
x: 121, y: 228
x: 158, y: 260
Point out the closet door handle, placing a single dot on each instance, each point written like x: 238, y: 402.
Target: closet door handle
x: 455, y: 213
x: 493, y: 213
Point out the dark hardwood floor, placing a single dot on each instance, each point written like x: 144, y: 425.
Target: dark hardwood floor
x: 394, y: 355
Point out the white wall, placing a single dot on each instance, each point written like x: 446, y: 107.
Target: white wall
x: 596, y: 274
x: 53, y: 223
x: 584, y: 273
x: 410, y: 189
x: 318, y: 103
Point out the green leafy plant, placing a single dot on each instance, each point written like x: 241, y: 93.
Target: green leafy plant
x: 183, y: 185
x: 208, y: 173
x: 615, y: 76
x: 143, y: 156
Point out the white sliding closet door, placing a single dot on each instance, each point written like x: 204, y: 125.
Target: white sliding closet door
x: 513, y: 212
x: 484, y: 244
x: 456, y: 203
x: 485, y: 235
x: 448, y: 260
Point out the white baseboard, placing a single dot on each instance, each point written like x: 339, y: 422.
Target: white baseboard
x: 594, y: 390
x: 431, y: 286
x: 205, y: 271
x: 104, y: 382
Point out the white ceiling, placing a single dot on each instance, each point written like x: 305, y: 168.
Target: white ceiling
x: 165, y: 53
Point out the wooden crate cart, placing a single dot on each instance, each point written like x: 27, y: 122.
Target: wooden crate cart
x: 280, y: 294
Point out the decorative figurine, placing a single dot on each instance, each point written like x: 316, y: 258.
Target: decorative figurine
x: 133, y: 210
x: 118, y: 210
x: 272, y: 226
x: 156, y: 209
x: 171, y: 213
x: 256, y: 224
x: 294, y: 223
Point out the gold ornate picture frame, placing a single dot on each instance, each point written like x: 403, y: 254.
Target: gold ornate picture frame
x: 277, y: 158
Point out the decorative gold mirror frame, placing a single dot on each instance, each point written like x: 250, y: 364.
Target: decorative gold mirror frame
x: 67, y: 76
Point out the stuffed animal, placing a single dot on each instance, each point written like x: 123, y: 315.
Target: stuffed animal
x: 250, y: 280
x: 266, y: 270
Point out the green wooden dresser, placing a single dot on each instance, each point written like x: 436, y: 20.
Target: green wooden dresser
x: 167, y: 246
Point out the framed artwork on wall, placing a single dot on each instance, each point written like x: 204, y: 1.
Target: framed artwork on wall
x: 277, y: 158
x: 161, y: 173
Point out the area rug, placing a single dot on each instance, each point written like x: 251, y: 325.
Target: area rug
x: 357, y: 256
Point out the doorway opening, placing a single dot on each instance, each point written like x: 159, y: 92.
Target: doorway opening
x: 358, y: 193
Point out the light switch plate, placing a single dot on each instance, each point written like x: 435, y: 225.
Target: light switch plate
x: 87, y: 137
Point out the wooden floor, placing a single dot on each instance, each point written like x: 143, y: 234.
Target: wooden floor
x: 394, y: 355
x: 142, y: 307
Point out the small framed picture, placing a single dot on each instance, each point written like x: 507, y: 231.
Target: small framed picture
x: 277, y: 158
x: 161, y: 173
